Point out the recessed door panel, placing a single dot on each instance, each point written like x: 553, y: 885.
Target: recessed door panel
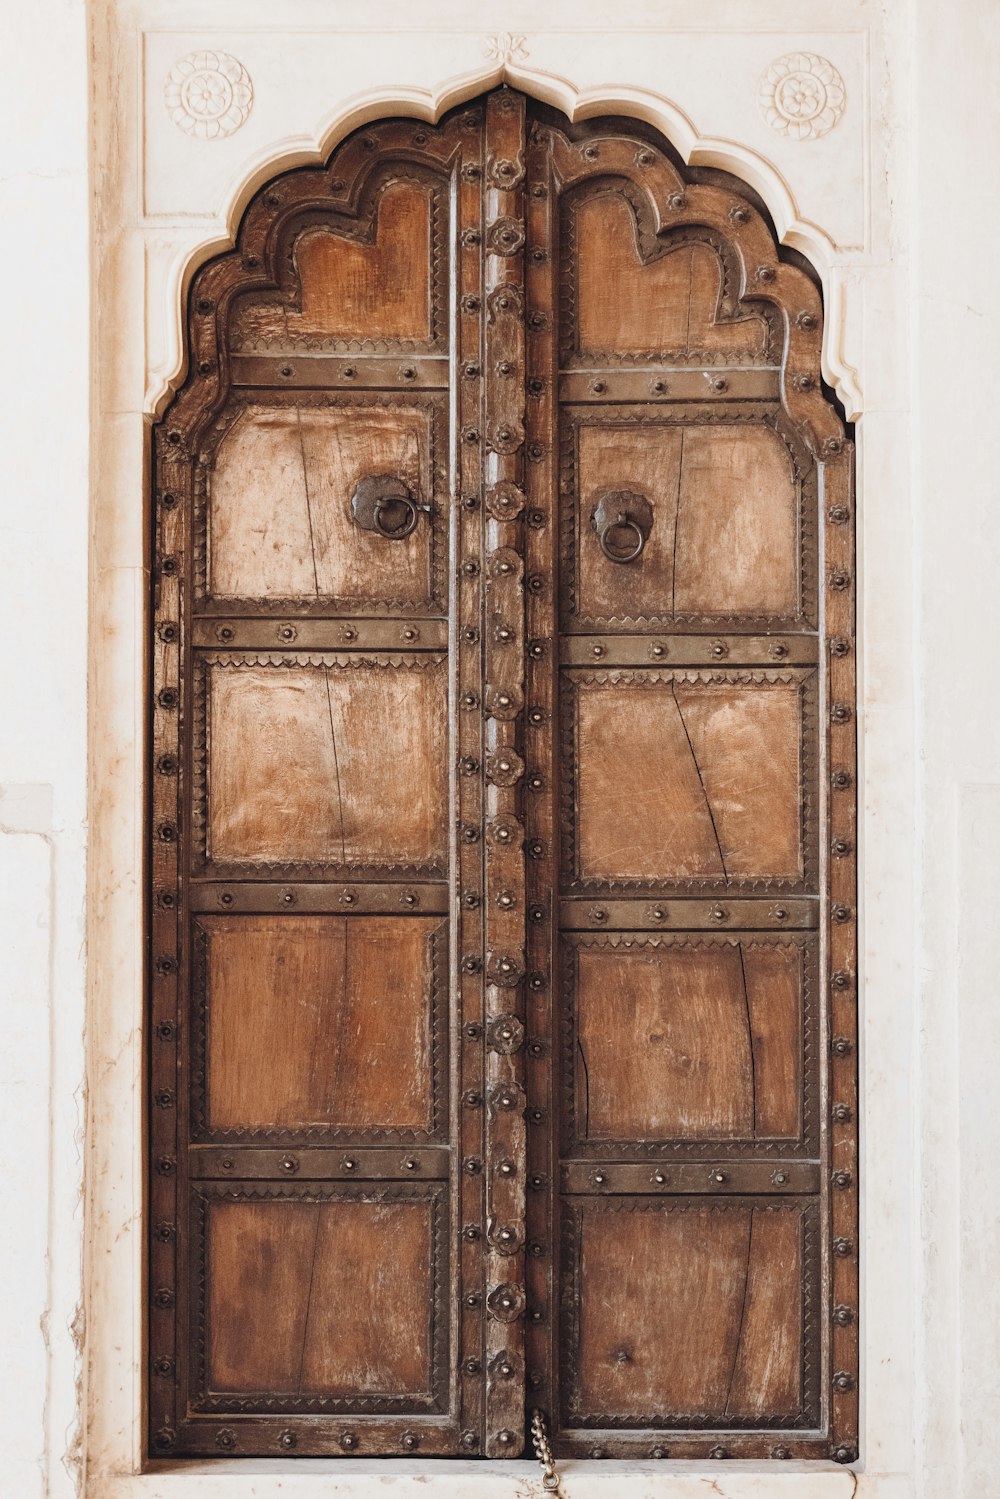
x: 322, y: 1025
x: 338, y: 761
x: 372, y: 277
x: 689, y: 1311
x: 629, y: 293
x: 280, y: 520
x: 724, y: 543
x: 686, y: 778
x: 322, y: 1297
x: 687, y: 1039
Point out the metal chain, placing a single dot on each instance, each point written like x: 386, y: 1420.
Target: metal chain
x: 550, y: 1478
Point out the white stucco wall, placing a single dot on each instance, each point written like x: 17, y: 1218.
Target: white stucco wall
x: 106, y: 204
x: 44, y: 546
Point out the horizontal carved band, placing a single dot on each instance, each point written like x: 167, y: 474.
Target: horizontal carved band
x: 663, y: 383
x: 688, y: 650
x: 332, y: 898
x: 595, y: 913
x: 719, y: 1178
x: 320, y: 1163
x: 329, y: 372
x: 397, y: 635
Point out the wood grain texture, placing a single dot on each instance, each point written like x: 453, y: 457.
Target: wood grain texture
x: 319, y: 1022
x: 687, y: 1311
x: 341, y: 763
x: 725, y: 536
x: 323, y: 1297
x: 280, y: 522
x: 687, y: 1041
x: 670, y: 304
x: 352, y: 288
x: 688, y: 778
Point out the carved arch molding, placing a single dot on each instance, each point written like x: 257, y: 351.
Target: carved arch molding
x: 502, y: 881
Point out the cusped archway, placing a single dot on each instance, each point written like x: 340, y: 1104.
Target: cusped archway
x: 502, y: 835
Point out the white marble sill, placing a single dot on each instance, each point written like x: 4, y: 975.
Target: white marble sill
x: 461, y: 1479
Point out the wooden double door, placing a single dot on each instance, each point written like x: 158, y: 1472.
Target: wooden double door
x: 502, y: 980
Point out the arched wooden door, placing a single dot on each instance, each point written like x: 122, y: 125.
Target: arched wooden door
x: 502, y: 877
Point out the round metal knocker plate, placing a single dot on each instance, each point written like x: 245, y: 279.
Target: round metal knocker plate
x: 383, y: 503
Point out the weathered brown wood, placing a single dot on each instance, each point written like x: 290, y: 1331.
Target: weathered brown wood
x: 688, y: 1313
x: 379, y: 287
x: 686, y: 778
x: 692, y: 1040
x: 628, y: 305
x: 503, y: 701
x: 280, y: 523
x: 692, y: 765
x: 320, y: 1023
x: 319, y: 1298
x: 724, y: 544
x: 468, y: 919
x: 493, y: 947
x: 315, y: 761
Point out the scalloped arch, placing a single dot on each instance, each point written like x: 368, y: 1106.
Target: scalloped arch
x: 429, y: 104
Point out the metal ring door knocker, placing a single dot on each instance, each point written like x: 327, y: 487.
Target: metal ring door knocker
x: 383, y: 503
x: 623, y: 521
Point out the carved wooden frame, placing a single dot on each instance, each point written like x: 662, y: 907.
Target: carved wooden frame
x: 432, y: 493
x: 202, y: 1132
x: 685, y: 1435
x: 805, y: 1143
x: 807, y: 686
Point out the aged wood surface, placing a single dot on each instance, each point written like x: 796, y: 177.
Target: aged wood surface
x: 626, y: 306
x: 693, y: 1041
x: 502, y: 879
x: 720, y: 789
x: 327, y: 1298
x: 319, y: 1022
x: 313, y: 761
x: 280, y: 524
x: 724, y: 542
x: 365, y: 279
x: 685, y: 1316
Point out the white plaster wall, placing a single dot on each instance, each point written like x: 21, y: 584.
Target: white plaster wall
x: 44, y: 526
x: 898, y: 207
